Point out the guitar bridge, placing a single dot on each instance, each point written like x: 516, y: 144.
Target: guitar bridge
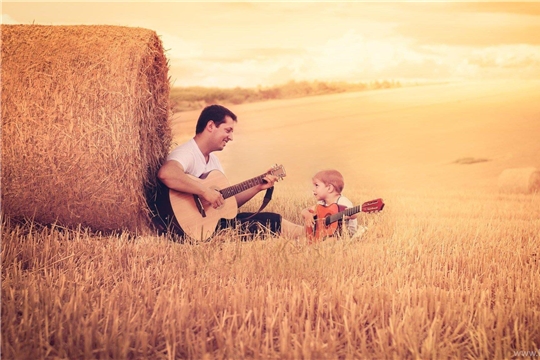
x: 199, y: 206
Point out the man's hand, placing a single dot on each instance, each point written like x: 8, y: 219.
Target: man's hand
x: 214, y: 197
x: 245, y: 196
x: 309, y: 217
x: 268, y: 182
x: 172, y: 174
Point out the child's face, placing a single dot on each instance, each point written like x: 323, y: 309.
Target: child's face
x: 321, y: 190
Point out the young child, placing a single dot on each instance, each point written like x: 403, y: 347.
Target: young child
x: 327, y: 188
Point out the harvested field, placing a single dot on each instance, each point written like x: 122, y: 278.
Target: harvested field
x: 449, y: 269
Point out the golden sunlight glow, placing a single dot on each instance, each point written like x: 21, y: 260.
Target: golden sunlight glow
x: 251, y: 44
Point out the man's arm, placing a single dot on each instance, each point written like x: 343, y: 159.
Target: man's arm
x: 245, y: 196
x: 309, y: 216
x: 172, y: 174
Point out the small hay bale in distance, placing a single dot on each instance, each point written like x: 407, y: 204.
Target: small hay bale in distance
x: 519, y: 181
x: 84, y: 124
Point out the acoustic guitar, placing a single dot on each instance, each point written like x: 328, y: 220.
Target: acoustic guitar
x: 327, y: 218
x: 188, y: 214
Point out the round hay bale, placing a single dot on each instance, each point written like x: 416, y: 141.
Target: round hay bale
x: 519, y: 180
x: 84, y: 124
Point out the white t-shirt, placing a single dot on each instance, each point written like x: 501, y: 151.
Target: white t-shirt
x: 192, y: 159
x: 352, y: 224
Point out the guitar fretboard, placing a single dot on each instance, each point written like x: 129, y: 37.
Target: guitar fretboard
x: 347, y: 212
x: 238, y: 188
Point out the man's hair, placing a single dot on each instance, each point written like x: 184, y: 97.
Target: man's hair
x: 216, y: 113
x: 331, y: 177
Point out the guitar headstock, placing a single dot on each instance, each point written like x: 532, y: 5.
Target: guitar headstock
x: 373, y: 205
x: 278, y: 171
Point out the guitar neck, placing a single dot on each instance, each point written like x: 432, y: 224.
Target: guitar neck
x: 243, y: 186
x: 347, y: 212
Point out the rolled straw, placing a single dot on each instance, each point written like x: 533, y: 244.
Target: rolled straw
x: 519, y: 180
x: 84, y: 124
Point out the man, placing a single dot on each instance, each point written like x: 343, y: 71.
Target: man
x: 215, y: 128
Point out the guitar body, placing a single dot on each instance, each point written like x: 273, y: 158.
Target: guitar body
x: 186, y: 211
x: 320, y: 230
x: 189, y: 215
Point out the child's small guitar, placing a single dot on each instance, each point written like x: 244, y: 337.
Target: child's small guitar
x: 327, y: 218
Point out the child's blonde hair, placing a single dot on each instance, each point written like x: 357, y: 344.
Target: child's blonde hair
x: 331, y: 177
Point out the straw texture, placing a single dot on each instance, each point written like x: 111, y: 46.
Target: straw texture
x: 84, y: 124
x: 519, y: 180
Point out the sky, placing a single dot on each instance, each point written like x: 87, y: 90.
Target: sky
x: 250, y: 44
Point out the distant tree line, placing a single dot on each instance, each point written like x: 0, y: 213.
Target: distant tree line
x: 196, y: 97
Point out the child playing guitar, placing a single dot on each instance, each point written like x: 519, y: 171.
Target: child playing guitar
x: 334, y: 213
x: 327, y: 188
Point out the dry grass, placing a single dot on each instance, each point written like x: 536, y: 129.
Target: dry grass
x: 441, y: 273
x: 437, y: 275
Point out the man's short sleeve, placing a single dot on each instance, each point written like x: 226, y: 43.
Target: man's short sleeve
x: 185, y: 157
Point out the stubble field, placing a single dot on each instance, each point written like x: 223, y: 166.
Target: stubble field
x: 450, y: 268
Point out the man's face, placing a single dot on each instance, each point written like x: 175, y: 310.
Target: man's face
x: 223, y: 133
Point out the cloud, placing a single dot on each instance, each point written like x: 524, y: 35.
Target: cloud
x: 244, y: 73
x: 473, y: 29
x: 356, y: 57
x: 179, y: 48
x: 507, y: 57
x: 491, y: 62
x: 258, y: 54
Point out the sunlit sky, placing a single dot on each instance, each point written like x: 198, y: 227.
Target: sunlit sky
x: 228, y: 44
